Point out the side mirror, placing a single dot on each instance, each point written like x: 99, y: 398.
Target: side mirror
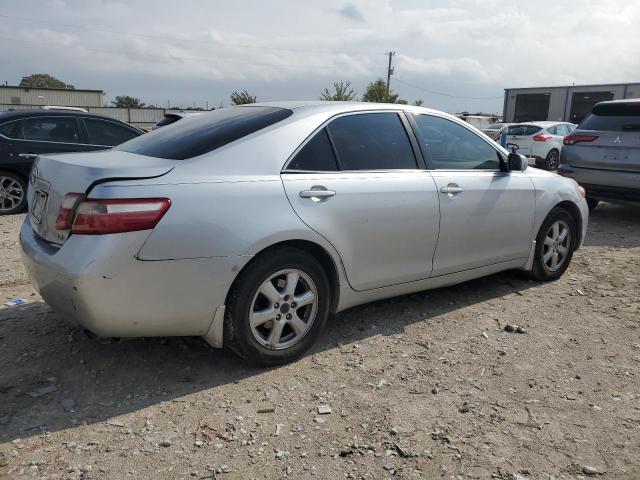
x: 517, y: 162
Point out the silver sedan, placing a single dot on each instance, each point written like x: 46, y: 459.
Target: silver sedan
x: 250, y: 225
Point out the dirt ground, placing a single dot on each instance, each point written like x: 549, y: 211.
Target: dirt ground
x: 427, y: 385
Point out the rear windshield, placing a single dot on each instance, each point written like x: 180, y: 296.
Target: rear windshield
x: 200, y: 134
x: 495, y: 126
x: 613, y: 117
x: 523, y: 130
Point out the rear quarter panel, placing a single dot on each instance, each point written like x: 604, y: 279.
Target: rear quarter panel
x: 229, y: 218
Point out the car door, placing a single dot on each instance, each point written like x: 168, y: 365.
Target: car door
x: 357, y: 182
x: 46, y: 134
x: 486, y: 215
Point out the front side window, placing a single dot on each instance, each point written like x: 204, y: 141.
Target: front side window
x: 107, y: 133
x: 372, y: 141
x: 450, y: 146
x: 204, y: 133
x: 316, y: 155
x: 49, y: 129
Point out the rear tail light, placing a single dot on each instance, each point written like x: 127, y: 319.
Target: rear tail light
x: 542, y: 137
x: 573, y: 139
x: 99, y: 217
x: 65, y: 213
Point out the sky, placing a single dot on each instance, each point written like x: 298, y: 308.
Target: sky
x: 456, y: 55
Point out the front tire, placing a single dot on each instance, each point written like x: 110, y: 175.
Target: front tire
x: 552, y: 162
x: 554, y: 245
x: 13, y: 193
x: 278, y: 307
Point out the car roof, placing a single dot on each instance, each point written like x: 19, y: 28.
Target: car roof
x: 620, y: 100
x: 540, y: 124
x: 19, y: 114
x: 317, y: 106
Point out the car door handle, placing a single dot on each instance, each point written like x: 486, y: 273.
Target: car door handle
x: 451, y: 189
x: 320, y: 193
x: 28, y: 155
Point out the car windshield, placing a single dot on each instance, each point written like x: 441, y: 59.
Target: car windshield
x: 200, y: 134
x: 620, y: 117
x: 495, y: 126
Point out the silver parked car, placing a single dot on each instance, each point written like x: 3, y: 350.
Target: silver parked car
x: 603, y: 153
x: 249, y: 225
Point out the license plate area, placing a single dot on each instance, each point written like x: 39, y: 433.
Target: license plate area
x: 39, y: 200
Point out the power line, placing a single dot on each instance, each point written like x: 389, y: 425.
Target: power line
x: 178, y: 39
x: 446, y: 94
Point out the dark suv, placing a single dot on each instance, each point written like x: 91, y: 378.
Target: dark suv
x: 603, y: 153
x: 25, y: 134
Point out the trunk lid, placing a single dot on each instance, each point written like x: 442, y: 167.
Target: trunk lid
x: 610, y: 151
x: 54, y: 176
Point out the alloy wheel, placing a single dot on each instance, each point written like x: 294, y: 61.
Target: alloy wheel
x: 553, y: 161
x: 557, y: 244
x: 283, y: 309
x: 11, y: 193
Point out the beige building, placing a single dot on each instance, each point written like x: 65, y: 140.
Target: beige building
x: 12, y: 95
x: 564, y: 104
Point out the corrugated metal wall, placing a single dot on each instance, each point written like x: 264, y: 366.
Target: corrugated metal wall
x: 42, y: 96
x: 140, y: 117
x: 560, y: 98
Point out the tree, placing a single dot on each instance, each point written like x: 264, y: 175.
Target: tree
x: 125, y: 101
x: 418, y: 103
x: 377, y: 92
x: 342, y: 92
x: 242, y: 98
x: 44, y: 80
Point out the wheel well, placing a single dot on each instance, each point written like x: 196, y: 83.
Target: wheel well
x: 574, y: 211
x: 15, y: 172
x: 315, y: 250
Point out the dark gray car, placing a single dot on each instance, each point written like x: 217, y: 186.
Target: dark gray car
x: 603, y: 153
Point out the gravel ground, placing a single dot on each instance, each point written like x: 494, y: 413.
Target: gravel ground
x: 427, y: 385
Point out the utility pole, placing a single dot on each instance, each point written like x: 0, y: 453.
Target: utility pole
x: 389, y: 72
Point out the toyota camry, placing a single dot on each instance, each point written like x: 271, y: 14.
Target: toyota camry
x: 250, y: 225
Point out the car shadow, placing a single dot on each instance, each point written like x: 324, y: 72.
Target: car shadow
x: 614, y: 225
x: 79, y: 380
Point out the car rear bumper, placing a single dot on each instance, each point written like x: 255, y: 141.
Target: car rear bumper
x: 97, y: 282
x: 605, y: 184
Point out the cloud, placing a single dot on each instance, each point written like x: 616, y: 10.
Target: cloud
x: 351, y: 12
x: 468, y: 48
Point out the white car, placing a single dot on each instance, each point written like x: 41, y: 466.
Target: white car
x: 540, y: 142
x: 494, y: 130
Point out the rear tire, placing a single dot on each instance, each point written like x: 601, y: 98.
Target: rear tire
x: 592, y: 203
x: 13, y: 193
x: 552, y: 162
x: 554, y: 245
x: 278, y: 307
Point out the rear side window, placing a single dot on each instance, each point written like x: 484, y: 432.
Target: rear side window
x: 316, y: 155
x: 49, y: 129
x: 7, y: 129
x: 200, y: 134
x: 107, y: 133
x: 372, y: 141
x: 622, y: 117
